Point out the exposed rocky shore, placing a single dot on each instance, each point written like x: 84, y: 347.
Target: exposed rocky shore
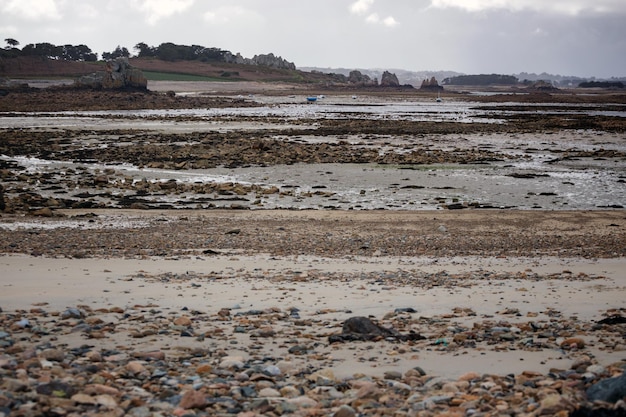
x: 112, y: 306
x: 354, y: 140
x: 85, y: 233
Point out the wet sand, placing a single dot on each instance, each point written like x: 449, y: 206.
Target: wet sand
x: 261, y: 282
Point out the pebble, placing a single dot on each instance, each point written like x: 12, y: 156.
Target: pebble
x: 72, y: 313
x: 134, y: 367
x: 212, y: 378
x: 193, y: 399
x: 183, y: 321
x: 272, y: 370
x: 269, y: 392
x: 232, y: 362
x: 55, y: 355
x: 345, y: 411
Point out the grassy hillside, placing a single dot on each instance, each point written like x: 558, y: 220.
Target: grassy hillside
x: 38, y: 67
x: 155, y: 69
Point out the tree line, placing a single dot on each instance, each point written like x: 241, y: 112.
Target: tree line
x: 601, y: 84
x: 166, y: 51
x: 172, y: 52
x: 481, y: 79
x: 48, y: 50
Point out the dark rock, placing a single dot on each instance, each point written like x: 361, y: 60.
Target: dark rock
x: 526, y: 175
x: 299, y: 350
x: 389, y: 80
x: 363, y: 325
x: 431, y: 85
x: 57, y: 389
x: 598, y: 412
x: 2, y: 203
x: 614, y: 319
x: 248, y: 392
x: 356, y: 77
x: 362, y: 328
x: 455, y: 206
x: 609, y: 390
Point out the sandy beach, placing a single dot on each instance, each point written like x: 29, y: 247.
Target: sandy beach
x: 327, y: 291
x: 251, y: 299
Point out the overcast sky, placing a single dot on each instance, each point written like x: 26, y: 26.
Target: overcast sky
x: 568, y: 37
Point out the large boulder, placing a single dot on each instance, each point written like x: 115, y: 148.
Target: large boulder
x: 356, y: 77
x: 119, y: 74
x: 389, y: 80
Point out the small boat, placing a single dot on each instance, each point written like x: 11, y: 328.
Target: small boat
x: 311, y: 99
x: 438, y: 99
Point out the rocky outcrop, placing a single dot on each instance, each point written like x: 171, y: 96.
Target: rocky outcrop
x: 272, y: 61
x: 268, y: 60
x: 542, y: 86
x: 231, y: 58
x: 358, y: 78
x: 119, y: 75
x: 431, y: 85
x: 389, y: 80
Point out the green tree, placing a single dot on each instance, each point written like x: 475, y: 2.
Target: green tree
x: 168, y: 52
x: 144, y: 50
x: 43, y: 49
x: 119, y: 52
x: 86, y: 54
x: 78, y: 53
x: 11, y: 43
